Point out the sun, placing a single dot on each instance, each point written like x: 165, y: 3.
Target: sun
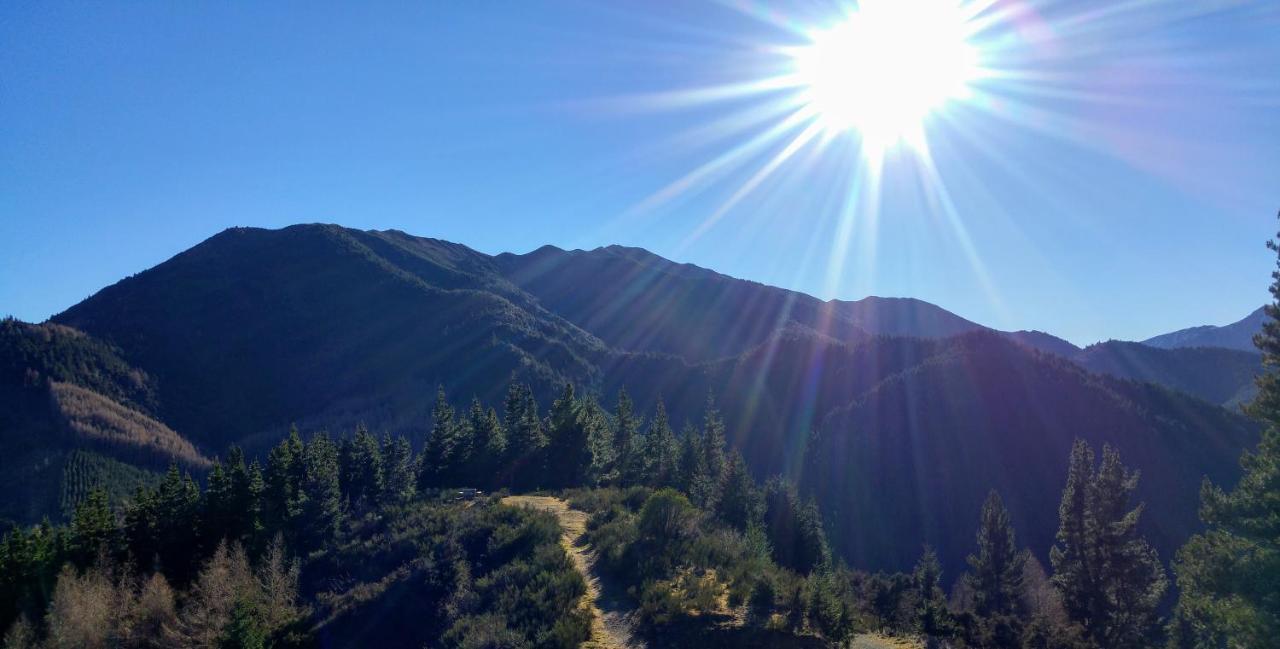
x: 885, y: 68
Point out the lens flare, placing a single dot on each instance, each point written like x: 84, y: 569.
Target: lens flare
x: 886, y: 67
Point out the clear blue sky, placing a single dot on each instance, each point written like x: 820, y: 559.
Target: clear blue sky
x: 1116, y: 181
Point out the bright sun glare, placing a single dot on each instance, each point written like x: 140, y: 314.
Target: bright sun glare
x: 885, y: 68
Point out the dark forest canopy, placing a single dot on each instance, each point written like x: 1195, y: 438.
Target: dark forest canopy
x: 252, y: 555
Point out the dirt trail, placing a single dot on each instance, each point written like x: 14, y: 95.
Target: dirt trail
x: 609, y: 626
x: 877, y: 641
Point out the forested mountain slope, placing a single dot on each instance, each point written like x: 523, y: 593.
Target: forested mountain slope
x: 637, y: 301
x: 1215, y: 374
x: 914, y: 458
x: 327, y: 327
x: 74, y: 410
x: 254, y: 329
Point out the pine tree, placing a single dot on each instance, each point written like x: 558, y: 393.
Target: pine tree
x: 526, y: 438
x: 400, y: 471
x: 140, y: 529
x: 703, y: 458
x: 244, y: 631
x: 232, y: 501
x: 163, y: 526
x: 1134, y: 579
x: 320, y: 515
x: 713, y: 440
x: 604, y: 451
x: 780, y: 502
x: 695, y: 476
x: 1110, y: 577
x: 813, y: 552
x: 29, y: 564
x: 829, y: 607
x: 741, y: 504
x: 246, y: 484
x: 283, y: 480
x: 661, y: 451
x: 495, y: 441
x: 178, y: 516
x: 217, y: 506
x: 932, y: 617
x: 363, y: 470
x: 996, y: 577
x: 93, y: 529
x: 1230, y: 575
x: 252, y: 494
x: 443, y: 454
x: 628, y: 439
x: 569, y: 456
x: 1071, y: 555
x: 794, y: 529
x: 488, y: 444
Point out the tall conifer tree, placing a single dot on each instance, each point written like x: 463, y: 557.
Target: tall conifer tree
x: 603, y: 467
x: 713, y: 440
x: 488, y: 444
x: 1230, y: 575
x: 526, y: 438
x: 661, y: 450
x: 283, y: 480
x: 569, y: 456
x: 628, y: 440
x: 996, y: 569
x: 1110, y: 578
x: 695, y: 476
x: 932, y: 617
x: 441, y: 454
x: 364, y: 469
x: 741, y: 504
x: 400, y: 470
x: 320, y: 514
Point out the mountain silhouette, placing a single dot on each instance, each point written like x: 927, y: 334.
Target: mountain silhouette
x: 896, y: 414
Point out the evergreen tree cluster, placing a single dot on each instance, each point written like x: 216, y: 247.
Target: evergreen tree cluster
x: 698, y: 528
x: 1005, y: 600
x: 311, y: 496
x: 579, y: 443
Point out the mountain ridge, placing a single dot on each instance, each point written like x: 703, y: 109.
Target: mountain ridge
x: 1237, y: 335
x: 326, y: 327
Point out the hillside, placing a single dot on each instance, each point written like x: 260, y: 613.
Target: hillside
x: 77, y: 415
x: 1237, y: 335
x: 327, y: 327
x: 637, y: 301
x: 914, y: 458
x: 641, y: 302
x: 325, y: 324
x: 1215, y: 374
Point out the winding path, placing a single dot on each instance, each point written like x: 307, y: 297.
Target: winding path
x: 609, y: 626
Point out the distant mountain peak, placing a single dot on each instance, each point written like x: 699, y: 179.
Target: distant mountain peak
x: 1237, y: 335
